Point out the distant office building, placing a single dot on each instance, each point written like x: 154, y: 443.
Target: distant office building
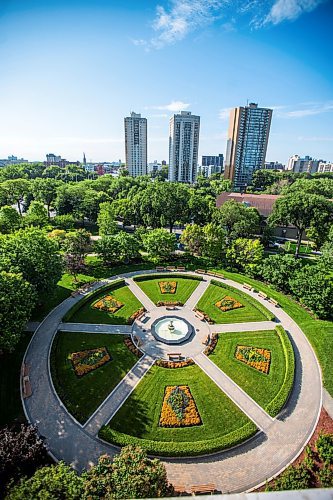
x: 12, y: 160
x: 324, y: 167
x: 213, y: 161
x: 136, y: 144
x: 274, y: 165
x: 248, y: 134
x: 208, y: 170
x: 183, y: 147
x: 154, y: 167
x: 53, y: 159
x: 306, y: 164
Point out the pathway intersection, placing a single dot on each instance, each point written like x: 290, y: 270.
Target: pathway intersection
x: 242, y: 468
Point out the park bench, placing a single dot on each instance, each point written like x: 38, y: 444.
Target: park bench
x: 170, y: 268
x: 170, y: 308
x: 247, y: 286
x: 211, y: 273
x: 207, y: 340
x: 27, y: 391
x: 141, y: 315
x: 160, y: 268
x: 274, y: 302
x: 179, y: 488
x: 203, y: 488
x: 199, y: 315
x: 181, y: 268
x: 219, y: 275
x: 200, y: 271
x: 262, y: 295
x: 175, y: 355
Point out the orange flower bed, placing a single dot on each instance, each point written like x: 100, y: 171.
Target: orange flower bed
x: 228, y: 303
x: 108, y: 304
x: 87, y: 361
x: 256, y: 357
x: 168, y: 286
x: 179, y: 408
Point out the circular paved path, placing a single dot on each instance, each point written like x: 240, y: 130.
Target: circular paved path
x: 239, y: 469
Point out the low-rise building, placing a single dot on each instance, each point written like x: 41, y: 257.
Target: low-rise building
x: 274, y: 165
x: 326, y: 168
x: 299, y: 165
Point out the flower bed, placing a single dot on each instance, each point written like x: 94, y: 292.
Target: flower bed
x: 109, y: 304
x: 228, y: 303
x: 179, y: 408
x: 168, y: 286
x: 255, y: 357
x: 174, y: 364
x: 212, y: 344
x: 137, y: 313
x: 87, y: 361
x: 167, y: 303
x: 132, y: 347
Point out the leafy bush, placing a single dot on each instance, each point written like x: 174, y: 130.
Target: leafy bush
x: 326, y: 477
x: 154, y: 276
x: 324, y: 446
x: 278, y: 269
x: 293, y: 478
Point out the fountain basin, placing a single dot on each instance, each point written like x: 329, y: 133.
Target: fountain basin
x: 171, y: 330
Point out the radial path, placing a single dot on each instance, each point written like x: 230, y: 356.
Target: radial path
x: 94, y: 328
x: 238, y: 469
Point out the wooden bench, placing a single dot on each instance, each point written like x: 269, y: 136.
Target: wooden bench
x: 219, y: 275
x: 141, y: 315
x: 179, y: 488
x: 170, y: 308
x: 200, y: 271
x: 274, y: 302
x: 181, y: 268
x: 24, y: 370
x: 262, y: 295
x: 170, y: 268
x: 211, y: 273
x: 203, y: 488
x: 199, y: 315
x: 174, y: 355
x: 247, y: 286
x: 27, y: 391
x: 159, y: 268
x: 207, y: 340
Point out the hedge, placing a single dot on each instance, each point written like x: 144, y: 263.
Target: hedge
x: 108, y: 286
x: 268, y: 314
x: 276, y: 405
x: 180, y: 449
x: 146, y: 277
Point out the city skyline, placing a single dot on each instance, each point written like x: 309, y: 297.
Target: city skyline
x: 72, y: 70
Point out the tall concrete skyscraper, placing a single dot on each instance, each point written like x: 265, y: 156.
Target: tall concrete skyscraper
x: 136, y: 144
x: 247, y: 143
x: 183, y: 147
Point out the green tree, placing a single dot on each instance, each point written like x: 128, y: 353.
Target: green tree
x: 193, y: 238
x: 59, y: 237
x: 108, y: 249
x: 214, y: 246
x: 313, y: 287
x: 36, y: 215
x: 17, y: 300
x: 245, y: 254
x: 237, y: 219
x: 201, y: 206
x: 30, y: 252
x: 10, y: 219
x: 327, y: 255
x: 304, y: 211
x: 128, y: 246
x: 49, y: 483
x: 105, y: 219
x: 76, y: 246
x: 278, y: 269
x: 159, y: 243
x: 45, y: 190
x: 16, y: 190
x: 98, y: 481
x: 262, y: 179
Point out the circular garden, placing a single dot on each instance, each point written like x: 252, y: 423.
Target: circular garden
x: 176, y: 409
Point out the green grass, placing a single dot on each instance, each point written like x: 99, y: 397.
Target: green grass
x: 262, y: 388
x: 215, y: 293
x: 10, y: 398
x: 88, y: 314
x: 319, y: 332
x: 185, y: 288
x: 223, y: 424
x: 82, y: 395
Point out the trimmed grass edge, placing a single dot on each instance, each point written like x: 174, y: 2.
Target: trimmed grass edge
x: 180, y: 449
x: 268, y: 314
x: 149, y: 277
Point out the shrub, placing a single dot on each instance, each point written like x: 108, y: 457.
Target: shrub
x: 293, y: 478
x: 324, y: 447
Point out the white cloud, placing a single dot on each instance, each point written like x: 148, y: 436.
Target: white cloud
x: 173, y: 106
x: 224, y: 113
x: 289, y: 10
x: 310, y: 110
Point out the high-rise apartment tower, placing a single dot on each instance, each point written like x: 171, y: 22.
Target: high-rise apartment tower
x: 136, y: 144
x: 183, y: 147
x: 247, y: 143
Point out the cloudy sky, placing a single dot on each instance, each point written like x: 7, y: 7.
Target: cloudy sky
x: 72, y: 69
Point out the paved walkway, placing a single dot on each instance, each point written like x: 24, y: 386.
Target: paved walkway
x: 328, y: 402
x: 197, y: 294
x: 31, y: 326
x: 239, y: 469
x: 243, y: 327
x: 262, y: 420
x: 118, y: 396
x: 140, y: 295
x: 94, y: 328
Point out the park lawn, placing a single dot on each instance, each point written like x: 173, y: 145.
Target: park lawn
x: 139, y: 416
x: 319, y: 332
x: 82, y: 395
x: 10, y: 396
x: 88, y: 314
x: 261, y: 387
x: 185, y: 288
x: 215, y: 293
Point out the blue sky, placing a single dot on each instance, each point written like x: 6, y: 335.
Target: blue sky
x: 72, y: 69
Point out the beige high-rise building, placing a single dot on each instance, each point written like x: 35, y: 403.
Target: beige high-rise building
x: 248, y: 134
x: 136, y: 144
